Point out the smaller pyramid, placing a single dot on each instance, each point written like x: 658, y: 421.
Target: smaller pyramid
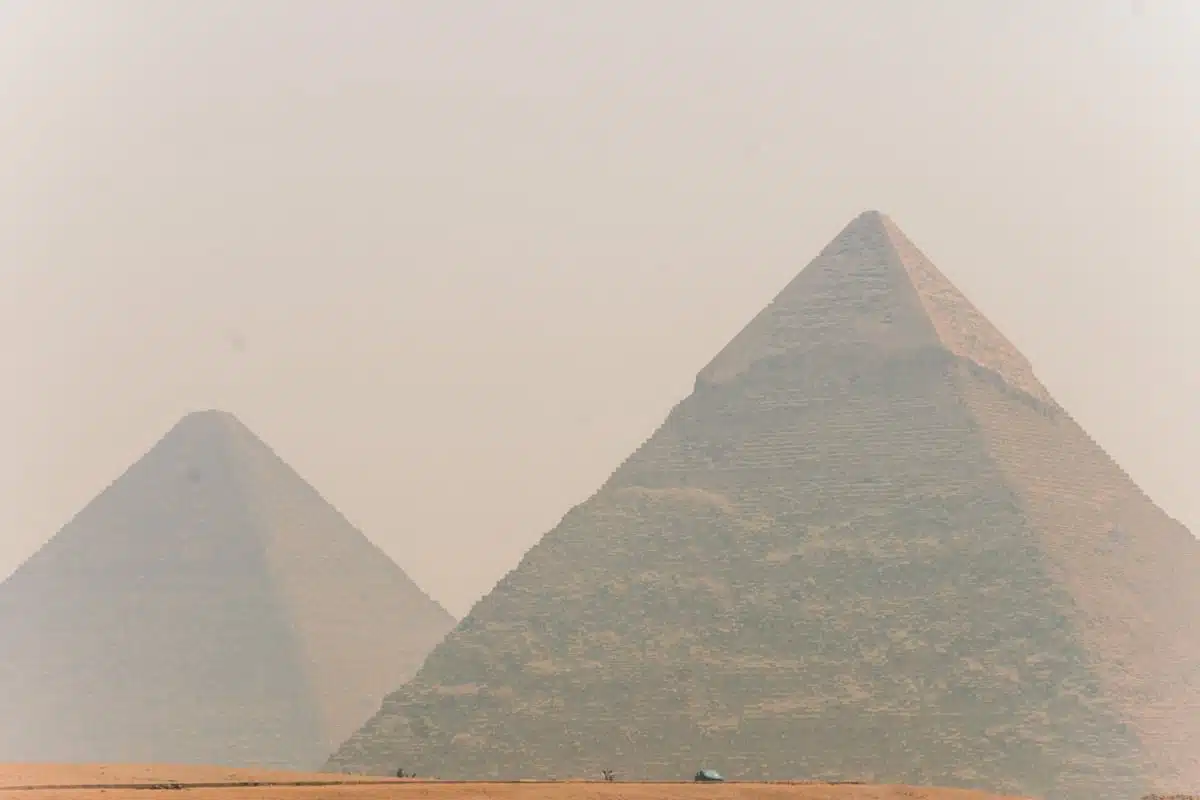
x: 208, y: 607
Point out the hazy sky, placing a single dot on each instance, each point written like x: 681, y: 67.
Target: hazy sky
x: 455, y: 260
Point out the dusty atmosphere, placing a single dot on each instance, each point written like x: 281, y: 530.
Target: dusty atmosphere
x: 527, y: 390
x: 432, y: 251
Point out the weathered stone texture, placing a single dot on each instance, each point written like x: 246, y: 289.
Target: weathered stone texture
x: 208, y: 607
x: 868, y: 546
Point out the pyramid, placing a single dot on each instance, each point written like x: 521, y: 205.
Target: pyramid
x: 868, y: 546
x: 208, y: 607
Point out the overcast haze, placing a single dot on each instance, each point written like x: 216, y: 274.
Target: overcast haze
x: 455, y: 260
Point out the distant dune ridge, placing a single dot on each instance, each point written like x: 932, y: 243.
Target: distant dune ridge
x: 209, y: 607
x: 869, y: 545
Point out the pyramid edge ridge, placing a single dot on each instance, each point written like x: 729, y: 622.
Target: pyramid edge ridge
x: 246, y: 437
x: 960, y: 326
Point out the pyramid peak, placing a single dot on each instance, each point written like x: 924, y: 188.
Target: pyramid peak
x: 870, y: 216
x: 209, y: 416
x: 210, y: 423
x: 871, y: 286
x: 215, y: 413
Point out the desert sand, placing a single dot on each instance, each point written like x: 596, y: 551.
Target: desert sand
x: 133, y: 782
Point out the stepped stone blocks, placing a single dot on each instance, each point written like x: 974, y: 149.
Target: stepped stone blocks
x: 869, y: 545
x: 208, y: 607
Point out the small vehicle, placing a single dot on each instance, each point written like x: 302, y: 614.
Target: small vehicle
x: 709, y: 776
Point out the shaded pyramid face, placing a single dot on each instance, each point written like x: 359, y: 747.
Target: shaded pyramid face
x: 869, y: 546
x: 208, y: 607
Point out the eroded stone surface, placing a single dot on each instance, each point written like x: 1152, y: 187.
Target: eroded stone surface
x: 868, y: 546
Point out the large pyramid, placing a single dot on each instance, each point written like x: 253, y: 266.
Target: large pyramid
x: 868, y: 546
x: 208, y: 607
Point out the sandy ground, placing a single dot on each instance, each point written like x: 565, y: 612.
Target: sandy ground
x: 12, y: 775
x: 66, y: 782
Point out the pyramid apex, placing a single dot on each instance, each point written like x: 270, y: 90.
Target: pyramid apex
x: 209, y: 420
x: 871, y: 286
x: 871, y: 215
x: 871, y: 221
x: 209, y: 430
x: 209, y: 414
